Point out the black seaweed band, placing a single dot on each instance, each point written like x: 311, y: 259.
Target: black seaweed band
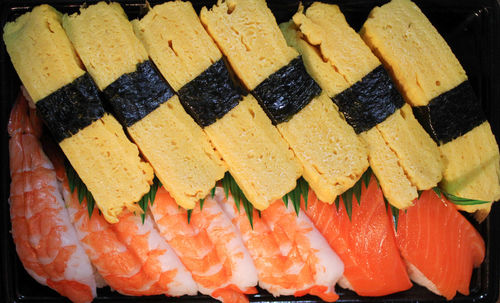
x: 286, y: 92
x: 134, y: 95
x: 211, y: 95
x: 369, y: 101
x: 451, y: 114
x: 71, y: 108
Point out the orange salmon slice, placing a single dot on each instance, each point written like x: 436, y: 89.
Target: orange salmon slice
x: 439, y: 246
x: 366, y: 243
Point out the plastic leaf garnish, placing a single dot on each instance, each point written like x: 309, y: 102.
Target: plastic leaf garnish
x: 285, y: 200
x: 230, y: 185
x: 366, y: 176
x: 70, y: 172
x: 202, y: 201
x: 300, y: 191
x: 304, y: 189
x: 81, y: 192
x: 464, y: 201
x: 355, y: 191
x: 395, y: 216
x: 248, y: 209
x: 75, y: 183
x: 296, y: 194
x: 225, y: 184
x: 189, y: 213
x: 149, y: 197
x: 90, y: 206
x: 347, y: 198
x: 458, y: 200
x: 419, y: 193
x: 236, y: 192
x: 394, y: 213
x: 437, y: 191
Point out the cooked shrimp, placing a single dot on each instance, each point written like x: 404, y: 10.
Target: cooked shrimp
x: 291, y: 256
x: 209, y: 246
x: 159, y: 262
x: 131, y: 257
x: 290, y: 229
x: 46, y: 242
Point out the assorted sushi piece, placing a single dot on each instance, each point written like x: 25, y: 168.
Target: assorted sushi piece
x: 332, y: 156
x: 441, y: 261
x: 258, y: 158
x: 131, y: 256
x: 323, y: 107
x: 364, y: 241
x: 402, y: 155
x: 68, y: 101
x: 209, y: 246
x: 290, y: 255
x: 434, y: 83
x: 46, y: 241
x: 180, y: 153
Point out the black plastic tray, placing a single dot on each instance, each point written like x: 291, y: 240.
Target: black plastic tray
x: 472, y: 29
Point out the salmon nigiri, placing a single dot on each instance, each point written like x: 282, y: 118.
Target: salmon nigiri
x: 46, y: 242
x: 209, y: 246
x: 440, y: 247
x: 365, y: 242
x: 291, y: 256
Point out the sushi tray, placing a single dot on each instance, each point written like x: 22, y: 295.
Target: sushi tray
x: 471, y: 29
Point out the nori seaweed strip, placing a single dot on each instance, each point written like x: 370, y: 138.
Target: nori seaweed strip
x: 211, y: 95
x: 71, y: 108
x: 369, y: 101
x: 451, y: 114
x: 134, y: 95
x: 287, y: 91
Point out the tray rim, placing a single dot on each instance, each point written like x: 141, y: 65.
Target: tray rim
x: 493, y: 222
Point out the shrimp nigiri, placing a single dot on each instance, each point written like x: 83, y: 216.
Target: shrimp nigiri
x: 291, y: 256
x: 130, y: 255
x: 46, y: 242
x: 209, y: 246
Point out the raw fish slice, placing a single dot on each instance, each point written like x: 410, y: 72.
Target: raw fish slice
x: 159, y: 261
x: 45, y: 240
x: 365, y: 243
x: 287, y: 262
x: 439, y: 246
x: 209, y: 246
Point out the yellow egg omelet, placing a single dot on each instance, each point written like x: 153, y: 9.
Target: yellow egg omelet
x: 180, y: 153
x: 104, y: 158
x: 332, y: 156
x: 424, y: 67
